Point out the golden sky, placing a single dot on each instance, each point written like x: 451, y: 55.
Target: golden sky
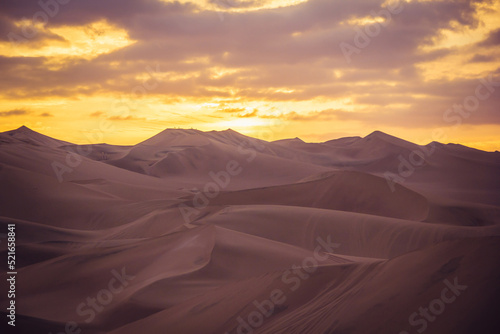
x: 273, y: 69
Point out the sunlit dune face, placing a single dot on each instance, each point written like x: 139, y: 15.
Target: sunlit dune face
x: 249, y: 65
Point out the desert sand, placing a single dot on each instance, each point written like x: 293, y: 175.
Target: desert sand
x: 215, y: 232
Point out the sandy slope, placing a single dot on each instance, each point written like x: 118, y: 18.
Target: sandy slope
x: 305, y: 238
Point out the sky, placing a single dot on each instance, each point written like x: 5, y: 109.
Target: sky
x: 120, y: 71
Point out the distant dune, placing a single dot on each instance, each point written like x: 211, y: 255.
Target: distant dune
x: 215, y: 232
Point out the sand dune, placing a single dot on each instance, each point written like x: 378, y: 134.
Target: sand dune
x: 346, y: 191
x: 303, y: 238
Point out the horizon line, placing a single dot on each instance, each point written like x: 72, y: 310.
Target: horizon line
x: 373, y: 133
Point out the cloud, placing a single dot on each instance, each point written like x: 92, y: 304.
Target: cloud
x: 117, y: 117
x: 288, y: 55
x: 493, y: 39
x: 229, y: 4
x: 46, y: 114
x: 127, y: 118
x: 480, y: 58
x: 289, y: 46
x: 96, y: 114
x: 14, y: 112
x: 322, y: 115
x: 24, y: 33
x: 231, y: 110
x: 253, y: 113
